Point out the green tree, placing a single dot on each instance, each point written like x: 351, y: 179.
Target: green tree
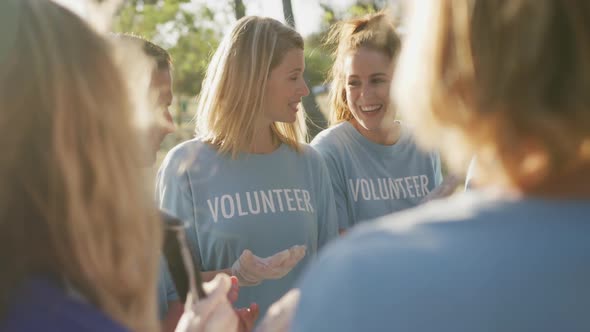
x: 190, y: 36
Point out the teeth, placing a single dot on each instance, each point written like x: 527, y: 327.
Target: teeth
x: 370, y: 108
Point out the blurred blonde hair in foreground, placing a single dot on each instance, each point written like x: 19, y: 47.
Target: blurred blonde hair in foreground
x: 508, y: 80
x: 232, y: 98
x: 72, y: 202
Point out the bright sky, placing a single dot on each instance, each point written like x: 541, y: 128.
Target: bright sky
x: 308, y: 13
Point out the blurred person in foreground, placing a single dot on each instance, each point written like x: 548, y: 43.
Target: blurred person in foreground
x: 170, y: 307
x: 80, y: 234
x: 510, y: 80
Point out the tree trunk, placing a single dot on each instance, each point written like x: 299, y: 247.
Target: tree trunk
x: 288, y: 13
x: 315, y: 120
x: 239, y: 9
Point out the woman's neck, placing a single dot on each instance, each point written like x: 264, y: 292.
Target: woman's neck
x: 383, y: 136
x: 264, y: 141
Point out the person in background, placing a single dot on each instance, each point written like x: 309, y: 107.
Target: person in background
x: 246, y: 184
x: 507, y: 80
x: 169, y: 304
x: 374, y: 163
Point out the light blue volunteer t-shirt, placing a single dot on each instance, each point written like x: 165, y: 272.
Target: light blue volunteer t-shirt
x: 371, y: 180
x: 262, y: 202
x: 470, y: 263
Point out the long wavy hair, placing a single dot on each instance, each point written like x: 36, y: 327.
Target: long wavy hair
x: 232, y: 98
x: 374, y: 31
x: 72, y: 202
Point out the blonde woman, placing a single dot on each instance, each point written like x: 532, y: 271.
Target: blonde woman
x: 246, y: 185
x: 374, y: 162
x: 510, y: 80
x: 80, y: 238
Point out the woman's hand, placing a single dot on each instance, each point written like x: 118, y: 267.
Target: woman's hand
x: 214, y: 313
x: 251, y: 269
x: 279, y: 316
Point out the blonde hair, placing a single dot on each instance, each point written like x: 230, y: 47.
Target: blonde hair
x: 232, y: 97
x: 72, y: 202
x: 373, y: 31
x: 507, y: 80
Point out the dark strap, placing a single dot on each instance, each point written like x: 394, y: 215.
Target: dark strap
x: 173, y: 254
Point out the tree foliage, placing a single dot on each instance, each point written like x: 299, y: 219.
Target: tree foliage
x: 189, y: 34
x: 318, y: 53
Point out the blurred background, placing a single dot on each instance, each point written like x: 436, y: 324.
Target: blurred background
x: 191, y: 30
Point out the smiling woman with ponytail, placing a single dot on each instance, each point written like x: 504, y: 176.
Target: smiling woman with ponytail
x: 374, y: 163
